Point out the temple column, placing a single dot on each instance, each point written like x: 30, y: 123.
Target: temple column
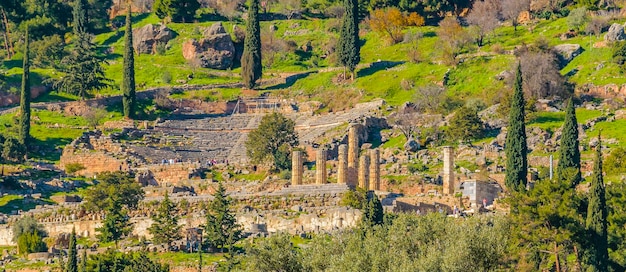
x: 296, y: 168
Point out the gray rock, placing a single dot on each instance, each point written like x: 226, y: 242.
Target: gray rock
x: 615, y: 33
x: 216, y: 50
x: 567, y: 52
x: 411, y: 145
x: 146, y: 38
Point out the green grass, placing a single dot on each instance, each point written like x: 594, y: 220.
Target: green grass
x: 395, y: 142
x: 554, y: 120
x: 11, y: 203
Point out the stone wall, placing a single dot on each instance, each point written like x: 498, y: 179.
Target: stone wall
x: 93, y: 161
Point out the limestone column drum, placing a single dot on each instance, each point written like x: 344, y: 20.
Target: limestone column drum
x: 448, y: 170
x: 374, y: 178
x: 320, y: 166
x: 296, y: 168
x: 342, y: 171
x: 364, y: 172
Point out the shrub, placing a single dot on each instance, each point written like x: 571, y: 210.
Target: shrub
x: 416, y: 167
x: 577, y: 18
x: 72, y: 168
x: 616, y: 162
x: 160, y: 48
x: 13, y: 150
x: 166, y: 77
x: 497, y: 48
x: 354, y: 198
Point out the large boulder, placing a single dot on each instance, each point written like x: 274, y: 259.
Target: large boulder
x: 615, y: 33
x: 216, y: 50
x: 146, y: 38
x: 567, y: 52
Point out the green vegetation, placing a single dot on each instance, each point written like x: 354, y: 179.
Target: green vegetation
x: 251, y: 67
x: 349, y: 44
x: 596, y: 223
x: 272, y: 141
x: 516, y: 149
x: 165, y: 228
x: 128, y: 81
x: 25, y: 96
x: 569, y: 159
x: 221, y: 226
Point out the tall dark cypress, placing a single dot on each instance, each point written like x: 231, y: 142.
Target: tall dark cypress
x: 597, y: 252
x: 516, y: 149
x: 348, y: 46
x: 25, y: 95
x: 72, y: 264
x: 251, y: 67
x: 128, y: 80
x: 569, y: 159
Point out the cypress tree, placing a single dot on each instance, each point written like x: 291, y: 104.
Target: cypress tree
x: 348, y: 46
x: 570, y: 154
x: 251, y: 67
x: 83, y: 262
x: 598, y: 255
x: 128, y: 81
x: 25, y: 95
x: 516, y: 149
x: 72, y: 264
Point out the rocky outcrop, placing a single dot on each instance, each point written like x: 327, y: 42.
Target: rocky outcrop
x: 567, y: 52
x: 216, y: 50
x: 615, y: 33
x: 145, y: 39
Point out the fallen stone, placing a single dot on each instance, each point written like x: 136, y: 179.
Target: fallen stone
x: 615, y: 33
x: 216, y: 50
x: 567, y: 52
x: 145, y: 39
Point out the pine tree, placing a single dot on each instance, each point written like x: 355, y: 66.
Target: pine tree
x: 597, y: 255
x: 128, y: 80
x: 72, y: 264
x: 82, y: 68
x: 516, y: 149
x: 373, y: 211
x: 25, y: 96
x: 348, y: 46
x: 251, y: 67
x: 165, y: 228
x: 115, y: 224
x: 221, y: 225
x: 570, y: 154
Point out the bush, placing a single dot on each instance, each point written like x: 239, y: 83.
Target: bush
x: 13, y: 150
x: 616, y: 162
x: 391, y: 22
x: 577, y: 18
x: 30, y: 243
x: 72, y: 168
x: 416, y: 167
x: 166, y: 77
x: 161, y: 48
x: 354, y: 198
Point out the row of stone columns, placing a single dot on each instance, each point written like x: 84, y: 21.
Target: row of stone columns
x: 352, y: 170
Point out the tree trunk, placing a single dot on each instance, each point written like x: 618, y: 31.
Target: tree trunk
x: 578, y: 265
x: 556, y: 255
x: 7, y: 34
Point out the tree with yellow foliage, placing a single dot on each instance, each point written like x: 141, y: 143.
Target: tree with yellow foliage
x: 390, y: 23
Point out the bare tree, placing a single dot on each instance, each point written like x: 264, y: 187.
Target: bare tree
x: 290, y: 7
x: 541, y: 74
x: 94, y: 115
x: 227, y: 8
x: 453, y: 38
x: 429, y: 98
x: 411, y: 122
x: 512, y: 8
x: 596, y: 25
x: 485, y: 17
